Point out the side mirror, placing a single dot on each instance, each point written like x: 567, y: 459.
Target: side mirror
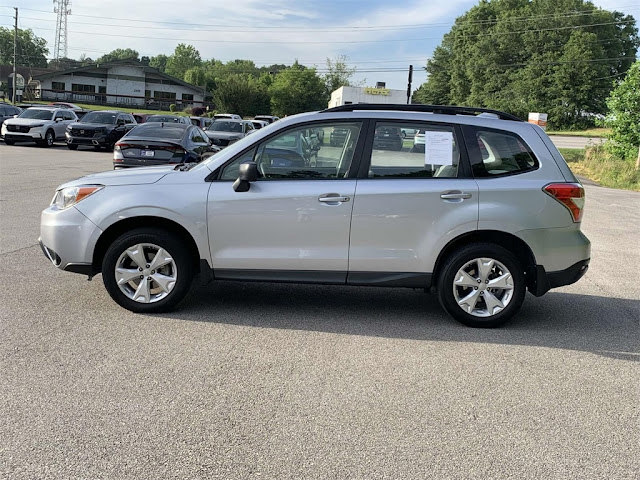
x: 58, y: 119
x: 248, y: 172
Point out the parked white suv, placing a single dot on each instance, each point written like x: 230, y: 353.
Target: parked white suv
x: 488, y: 210
x: 42, y: 125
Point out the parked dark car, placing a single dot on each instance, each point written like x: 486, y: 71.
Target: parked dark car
x: 8, y: 111
x: 227, y: 131
x: 99, y: 129
x: 168, y: 119
x: 161, y: 144
x: 387, y: 138
x: 266, y: 118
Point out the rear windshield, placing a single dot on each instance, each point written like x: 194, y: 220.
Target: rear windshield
x: 163, y: 118
x: 157, y: 131
x: 99, y: 117
x: 222, y: 126
x: 38, y: 114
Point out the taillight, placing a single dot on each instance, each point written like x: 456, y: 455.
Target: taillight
x: 571, y: 195
x: 117, y: 153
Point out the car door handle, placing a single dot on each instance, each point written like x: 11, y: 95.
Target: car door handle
x: 333, y: 198
x: 455, y: 195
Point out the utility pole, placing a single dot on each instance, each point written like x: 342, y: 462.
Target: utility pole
x: 15, y: 56
x: 409, y: 84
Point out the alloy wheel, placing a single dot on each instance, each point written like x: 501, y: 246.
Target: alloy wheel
x: 146, y: 273
x: 483, y: 287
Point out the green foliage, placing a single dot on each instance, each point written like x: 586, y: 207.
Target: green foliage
x: 172, y: 107
x: 624, y: 116
x: 159, y: 62
x: 297, y: 89
x: 338, y: 74
x: 119, y: 54
x: 241, y: 94
x: 525, y: 56
x: 31, y: 50
x: 184, y: 58
x: 195, y: 76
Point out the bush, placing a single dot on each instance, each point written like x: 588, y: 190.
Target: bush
x: 624, y: 116
x: 172, y: 107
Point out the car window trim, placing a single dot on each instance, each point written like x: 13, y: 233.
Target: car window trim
x: 355, y: 161
x: 464, y: 166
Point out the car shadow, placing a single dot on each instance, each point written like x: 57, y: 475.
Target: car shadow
x: 601, y: 325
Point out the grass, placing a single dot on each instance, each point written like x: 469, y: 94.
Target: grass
x: 590, y: 132
x: 596, y: 164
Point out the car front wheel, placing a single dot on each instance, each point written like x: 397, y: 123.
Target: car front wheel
x: 482, y: 285
x: 147, y: 270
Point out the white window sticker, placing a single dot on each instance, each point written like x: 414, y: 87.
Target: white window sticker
x: 438, y: 148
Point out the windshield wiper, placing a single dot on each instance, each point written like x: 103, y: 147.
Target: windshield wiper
x: 183, y: 167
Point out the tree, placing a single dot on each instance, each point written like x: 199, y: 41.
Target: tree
x: 184, y: 57
x: 119, y: 54
x: 338, y: 73
x: 195, y: 76
x: 159, y: 62
x: 624, y: 116
x: 297, y: 89
x: 31, y: 50
x: 527, y: 55
x: 242, y: 94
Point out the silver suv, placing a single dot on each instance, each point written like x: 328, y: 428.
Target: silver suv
x: 487, y: 211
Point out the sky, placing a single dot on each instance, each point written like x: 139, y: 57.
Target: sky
x: 379, y: 38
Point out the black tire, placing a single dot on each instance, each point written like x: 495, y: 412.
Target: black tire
x: 465, y: 255
x: 10, y: 142
x: 175, y: 248
x: 49, y: 138
x: 71, y: 146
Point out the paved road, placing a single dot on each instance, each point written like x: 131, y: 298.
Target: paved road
x: 562, y: 141
x: 282, y: 381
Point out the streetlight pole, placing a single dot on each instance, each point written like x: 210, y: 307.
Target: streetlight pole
x: 15, y: 55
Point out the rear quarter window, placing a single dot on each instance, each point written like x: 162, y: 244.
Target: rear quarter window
x: 496, y: 153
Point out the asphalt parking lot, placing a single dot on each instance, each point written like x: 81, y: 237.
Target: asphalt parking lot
x: 300, y: 381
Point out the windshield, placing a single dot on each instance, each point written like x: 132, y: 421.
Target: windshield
x: 222, y: 126
x: 155, y: 131
x: 37, y: 113
x: 99, y: 117
x: 163, y: 118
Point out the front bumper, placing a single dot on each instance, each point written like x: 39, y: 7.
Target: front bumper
x: 101, y: 140
x: 32, y: 136
x: 68, y: 239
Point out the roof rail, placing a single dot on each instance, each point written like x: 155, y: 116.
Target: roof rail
x: 417, y: 107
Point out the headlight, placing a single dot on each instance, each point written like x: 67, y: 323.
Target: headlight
x: 66, y: 197
x: 37, y: 125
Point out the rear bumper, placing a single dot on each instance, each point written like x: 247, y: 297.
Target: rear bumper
x: 544, y: 281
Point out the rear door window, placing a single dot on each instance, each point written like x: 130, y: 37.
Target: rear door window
x: 494, y: 153
x: 433, y: 152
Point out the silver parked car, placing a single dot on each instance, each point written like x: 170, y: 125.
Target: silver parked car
x: 42, y: 125
x: 487, y: 211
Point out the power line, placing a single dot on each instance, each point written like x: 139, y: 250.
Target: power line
x: 262, y: 42
x: 559, y: 15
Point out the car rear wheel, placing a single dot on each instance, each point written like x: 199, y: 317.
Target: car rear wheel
x: 147, y: 270
x: 10, y: 142
x: 482, y: 285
